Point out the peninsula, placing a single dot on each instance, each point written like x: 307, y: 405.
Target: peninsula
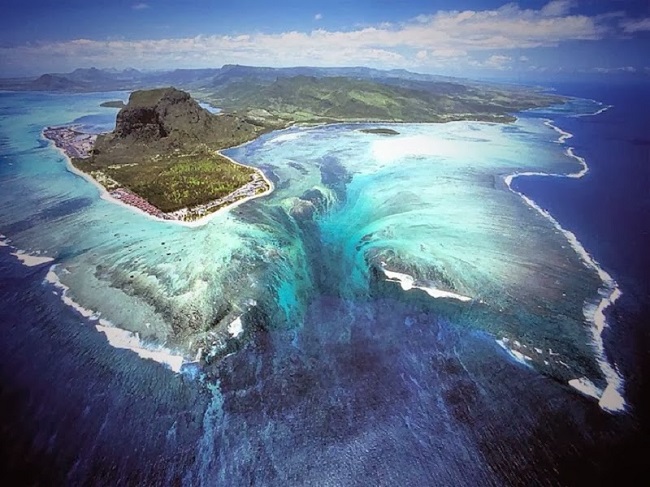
x: 163, y: 156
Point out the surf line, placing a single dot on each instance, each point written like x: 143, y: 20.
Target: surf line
x: 603, y: 109
x: 117, y: 337
x: 26, y: 259
x: 610, y: 399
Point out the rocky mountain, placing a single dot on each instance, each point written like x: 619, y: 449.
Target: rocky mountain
x: 162, y: 120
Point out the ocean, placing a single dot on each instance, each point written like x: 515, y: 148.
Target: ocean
x: 406, y: 317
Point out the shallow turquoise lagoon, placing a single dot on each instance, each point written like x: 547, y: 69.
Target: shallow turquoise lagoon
x: 424, y: 217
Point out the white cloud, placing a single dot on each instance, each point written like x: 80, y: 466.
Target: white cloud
x: 448, y: 53
x: 446, y: 37
x: 496, y: 61
x: 557, y: 8
x: 318, y: 16
x: 620, y: 69
x: 639, y: 25
x: 140, y: 6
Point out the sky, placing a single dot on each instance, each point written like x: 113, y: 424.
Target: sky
x: 490, y: 38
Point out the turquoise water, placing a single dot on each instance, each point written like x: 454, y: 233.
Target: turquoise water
x: 341, y: 376
x: 429, y: 203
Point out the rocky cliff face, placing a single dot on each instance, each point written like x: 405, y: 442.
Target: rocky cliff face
x: 164, y: 117
x: 166, y: 120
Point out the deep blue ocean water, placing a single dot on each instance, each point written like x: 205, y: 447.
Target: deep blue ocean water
x: 351, y: 399
x: 610, y: 210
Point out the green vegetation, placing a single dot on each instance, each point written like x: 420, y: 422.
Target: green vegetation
x: 172, y: 183
x: 164, y: 148
x: 334, y: 99
x: 164, y: 144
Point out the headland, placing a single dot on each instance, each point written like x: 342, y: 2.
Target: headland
x: 163, y: 158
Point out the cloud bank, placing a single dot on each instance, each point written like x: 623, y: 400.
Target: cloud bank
x: 462, y: 38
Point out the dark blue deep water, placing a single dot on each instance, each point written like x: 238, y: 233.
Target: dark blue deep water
x: 352, y: 399
x: 610, y: 211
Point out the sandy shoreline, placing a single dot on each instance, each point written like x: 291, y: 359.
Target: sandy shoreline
x: 107, y: 196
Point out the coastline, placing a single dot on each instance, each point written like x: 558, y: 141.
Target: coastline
x: 610, y: 399
x: 106, y: 195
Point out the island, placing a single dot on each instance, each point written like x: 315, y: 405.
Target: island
x: 380, y: 131
x: 113, y: 104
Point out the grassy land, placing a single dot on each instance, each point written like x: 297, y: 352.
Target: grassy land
x: 174, y: 182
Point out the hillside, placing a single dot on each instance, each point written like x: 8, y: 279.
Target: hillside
x: 164, y: 144
x: 53, y: 82
x: 164, y: 120
x: 327, y: 99
x: 273, y: 97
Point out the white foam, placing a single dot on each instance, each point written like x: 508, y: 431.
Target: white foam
x: 518, y: 356
x: 408, y: 282
x: 564, y: 136
x: 127, y: 340
x: 439, y: 293
x: 585, y: 168
x: 611, y: 399
x: 586, y: 387
x: 598, y: 112
x: 29, y: 260
x: 405, y: 280
x: 602, y: 110
x: 236, y: 327
x: 117, y: 337
x: 53, y: 279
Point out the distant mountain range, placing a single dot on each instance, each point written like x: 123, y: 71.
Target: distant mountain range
x: 278, y: 96
x: 93, y: 79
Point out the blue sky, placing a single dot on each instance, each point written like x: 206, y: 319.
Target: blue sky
x: 468, y: 38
